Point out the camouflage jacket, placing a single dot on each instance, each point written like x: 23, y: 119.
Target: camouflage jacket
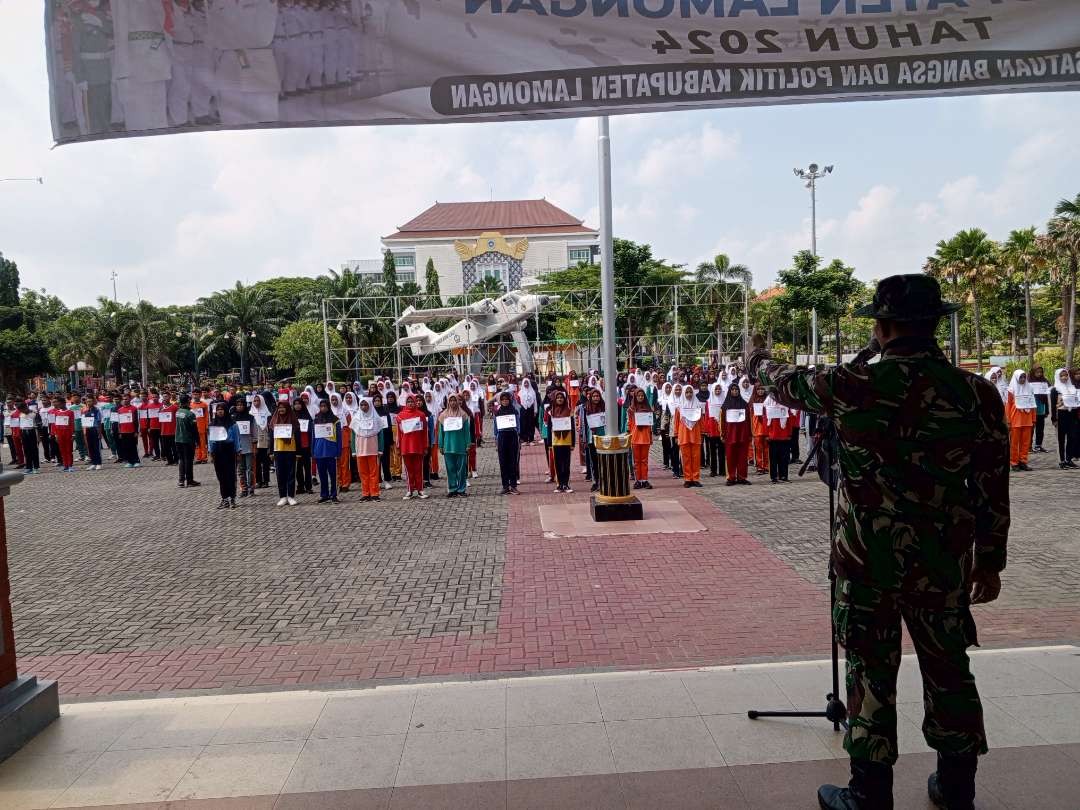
x: 924, y: 463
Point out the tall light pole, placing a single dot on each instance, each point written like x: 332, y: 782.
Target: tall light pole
x: 811, y: 175
x: 114, y: 277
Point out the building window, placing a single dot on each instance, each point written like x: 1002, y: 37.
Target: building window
x: 580, y: 254
x: 405, y: 278
x: 403, y: 260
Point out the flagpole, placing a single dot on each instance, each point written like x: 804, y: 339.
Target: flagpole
x: 607, y: 280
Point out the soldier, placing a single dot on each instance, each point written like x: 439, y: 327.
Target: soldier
x: 246, y: 75
x: 143, y: 65
x: 924, y: 466
x: 92, y: 31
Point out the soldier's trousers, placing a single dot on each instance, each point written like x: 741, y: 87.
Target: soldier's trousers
x: 867, y: 623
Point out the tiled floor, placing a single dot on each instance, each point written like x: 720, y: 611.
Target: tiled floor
x: 677, y: 740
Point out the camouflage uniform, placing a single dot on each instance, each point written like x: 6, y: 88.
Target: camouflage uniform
x: 924, y: 460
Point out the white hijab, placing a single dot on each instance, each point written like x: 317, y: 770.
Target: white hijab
x: 312, y: 401
x: 1002, y: 386
x: 1015, y: 388
x: 1065, y: 389
x: 336, y: 407
x: 716, y: 399
x: 376, y: 424
x: 527, y: 395
x: 259, y: 411
x: 350, y: 403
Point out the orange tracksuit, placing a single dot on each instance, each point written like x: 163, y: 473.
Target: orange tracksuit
x: 640, y: 442
x: 759, y: 429
x: 1021, y: 426
x: 688, y: 438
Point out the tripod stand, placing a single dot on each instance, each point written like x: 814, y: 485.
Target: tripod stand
x: 835, y: 710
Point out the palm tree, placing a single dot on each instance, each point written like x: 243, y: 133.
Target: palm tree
x: 1063, y: 236
x: 239, y: 320
x: 487, y: 286
x: 1024, y: 256
x: 722, y: 271
x: 107, y: 324
x: 144, y: 330
x: 968, y: 261
x: 71, y: 339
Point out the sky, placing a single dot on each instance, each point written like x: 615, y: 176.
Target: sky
x: 181, y: 216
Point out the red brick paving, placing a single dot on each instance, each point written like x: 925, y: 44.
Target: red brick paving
x: 644, y: 601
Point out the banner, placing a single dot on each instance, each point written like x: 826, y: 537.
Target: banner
x: 141, y: 67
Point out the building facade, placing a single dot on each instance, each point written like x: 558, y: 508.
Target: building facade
x: 508, y: 240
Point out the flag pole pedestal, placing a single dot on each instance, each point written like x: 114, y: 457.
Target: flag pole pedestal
x: 614, y: 501
x: 27, y: 705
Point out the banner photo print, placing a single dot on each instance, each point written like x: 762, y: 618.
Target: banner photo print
x: 143, y: 67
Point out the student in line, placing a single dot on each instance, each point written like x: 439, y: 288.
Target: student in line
x: 639, y: 422
x: 413, y: 444
x: 735, y: 417
x: 29, y: 436
x: 367, y: 428
x: 668, y: 426
x: 90, y: 428
x: 167, y: 423
x: 528, y: 400
x: 455, y: 437
x: 662, y: 425
x: 560, y: 421
x: 1064, y: 413
x: 431, y: 409
x: 187, y: 437
x: 260, y: 411
x: 759, y: 430
x: 304, y: 461
x: 1020, y: 409
x: 63, y: 433
x: 327, y: 440
x: 285, y: 430
x: 223, y: 442
x: 714, y: 440
x: 507, y: 425
x: 393, y: 411
x: 592, y: 420
x: 248, y: 432
x: 201, y: 408
x: 687, y: 429
x: 476, y: 416
x: 1041, y: 386
x: 129, y: 426
x: 778, y: 419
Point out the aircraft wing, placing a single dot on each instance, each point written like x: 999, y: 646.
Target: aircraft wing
x: 460, y: 313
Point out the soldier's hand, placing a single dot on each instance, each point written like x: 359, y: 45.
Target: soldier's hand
x: 985, y: 586
x: 757, y: 342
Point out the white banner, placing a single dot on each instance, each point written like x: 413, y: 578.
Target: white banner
x: 159, y: 66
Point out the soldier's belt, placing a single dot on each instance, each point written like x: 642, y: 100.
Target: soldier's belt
x: 152, y: 36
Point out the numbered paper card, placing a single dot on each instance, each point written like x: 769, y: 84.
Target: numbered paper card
x: 560, y: 423
x: 411, y: 425
x: 125, y: 418
x: 575, y: 383
x: 1024, y: 402
x: 491, y: 389
x: 734, y: 415
x: 218, y: 434
x: 155, y: 413
x: 244, y: 428
x: 282, y: 431
x: 324, y: 431
x: 759, y: 409
x: 304, y: 425
x: 26, y: 422
x: 643, y: 418
x: 714, y: 410
x: 1040, y: 388
x: 365, y: 423
x: 63, y: 421
x: 165, y: 417
x: 596, y: 420
x: 451, y: 423
x: 282, y: 397
x: 1071, y: 400
x: 199, y: 412
x: 506, y: 422
x: 50, y: 418
x: 114, y: 417
x: 776, y: 412
x: 89, y: 422
x: 384, y: 423
x: 691, y: 415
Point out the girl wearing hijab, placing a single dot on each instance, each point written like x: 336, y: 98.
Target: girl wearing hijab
x: 344, y: 477
x: 778, y: 420
x: 663, y: 423
x: 1065, y: 414
x: 476, y: 418
x: 432, y: 407
x: 1041, y: 387
x: 639, y: 420
x: 246, y: 430
x: 714, y: 440
x: 320, y: 391
x: 1020, y: 408
x: 687, y: 429
x: 386, y: 423
x: 997, y: 377
x: 303, y: 453
x: 455, y: 436
x: 263, y: 439
x: 560, y: 421
x: 393, y: 410
x: 592, y: 421
x: 759, y: 430
x: 284, y: 429
x: 413, y: 438
x: 507, y: 424
x: 527, y: 398
x: 668, y: 426
x: 327, y: 434
x: 367, y: 427
x: 224, y: 444
x: 432, y: 437
x: 735, y: 416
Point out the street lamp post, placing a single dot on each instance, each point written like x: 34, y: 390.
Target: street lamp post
x: 811, y: 175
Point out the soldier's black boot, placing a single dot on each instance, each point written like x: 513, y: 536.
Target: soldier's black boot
x: 952, y: 786
x: 870, y: 788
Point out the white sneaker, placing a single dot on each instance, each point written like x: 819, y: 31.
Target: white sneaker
x: 408, y: 496
x: 386, y: 485
x: 283, y: 502
x: 291, y: 501
x: 422, y: 495
x: 568, y: 490
x: 475, y: 474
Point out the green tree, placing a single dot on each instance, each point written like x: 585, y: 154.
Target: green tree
x: 431, y: 286
x: 11, y: 316
x: 721, y: 271
x: 238, y: 321
x: 22, y: 355
x: 487, y: 286
x: 1063, y: 236
x: 1025, y: 259
x: 146, y: 334
x: 968, y: 262
x: 301, y: 348
x: 389, y: 274
x: 70, y: 339
x: 39, y: 308
x: 809, y: 286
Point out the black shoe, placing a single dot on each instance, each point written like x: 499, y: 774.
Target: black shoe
x: 451, y: 494
x: 334, y: 500
x: 376, y: 498
x: 182, y: 485
x: 194, y: 484
x: 1015, y: 468
x: 687, y: 484
x: 730, y: 483
x: 243, y: 493
x: 870, y: 788
x: 646, y: 485
x: 637, y: 485
x: 324, y: 500
x: 1071, y: 464
x: 232, y: 503
x: 1024, y: 467
x: 224, y: 503
x: 952, y: 786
